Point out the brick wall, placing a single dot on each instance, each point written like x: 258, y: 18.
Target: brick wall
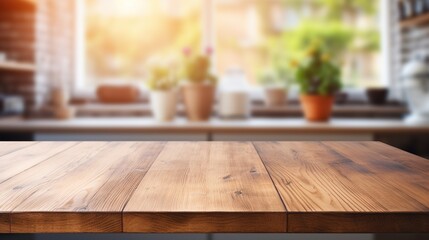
x: 40, y: 33
x: 17, y: 41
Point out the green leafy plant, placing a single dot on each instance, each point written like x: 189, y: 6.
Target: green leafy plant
x: 197, y: 69
x: 317, y: 74
x: 161, y: 78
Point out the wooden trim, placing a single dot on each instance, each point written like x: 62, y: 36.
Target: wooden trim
x: 415, y: 21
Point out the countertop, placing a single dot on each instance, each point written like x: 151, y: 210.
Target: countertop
x: 211, y: 187
x: 252, y: 125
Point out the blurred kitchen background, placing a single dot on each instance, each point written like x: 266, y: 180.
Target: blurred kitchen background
x: 215, y: 70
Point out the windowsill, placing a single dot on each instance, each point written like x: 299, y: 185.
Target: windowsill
x: 292, y: 109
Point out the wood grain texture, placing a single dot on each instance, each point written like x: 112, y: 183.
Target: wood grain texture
x: 301, y: 187
x: 8, y: 147
x: 66, y: 222
x: 4, y: 223
x: 198, y: 187
x: 205, y: 222
x: 346, y: 187
x: 92, y: 177
x: 17, y: 161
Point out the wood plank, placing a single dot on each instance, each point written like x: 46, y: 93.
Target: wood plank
x: 84, y: 189
x: 206, y: 187
x: 393, y: 154
x: 409, y: 182
x: 8, y: 147
x: 326, y: 191
x: 22, y: 159
x: 16, y: 157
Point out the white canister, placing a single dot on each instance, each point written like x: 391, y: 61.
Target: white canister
x: 234, y: 98
x: 164, y: 104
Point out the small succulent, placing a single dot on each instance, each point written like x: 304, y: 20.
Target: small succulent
x: 197, y: 68
x: 161, y: 78
x: 317, y: 74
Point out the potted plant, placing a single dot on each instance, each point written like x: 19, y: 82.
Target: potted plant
x: 276, y: 84
x: 199, y: 88
x: 319, y: 79
x: 163, y: 95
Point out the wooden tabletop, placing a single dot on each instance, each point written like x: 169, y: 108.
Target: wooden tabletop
x: 160, y: 187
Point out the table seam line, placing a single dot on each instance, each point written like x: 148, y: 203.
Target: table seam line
x: 134, y: 190
x: 275, y: 187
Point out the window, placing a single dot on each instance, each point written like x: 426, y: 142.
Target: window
x: 119, y: 37
x: 265, y: 35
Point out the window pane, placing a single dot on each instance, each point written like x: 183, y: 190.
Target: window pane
x: 265, y: 35
x: 121, y: 36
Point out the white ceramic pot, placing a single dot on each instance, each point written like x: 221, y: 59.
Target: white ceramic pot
x: 234, y: 104
x: 164, y: 104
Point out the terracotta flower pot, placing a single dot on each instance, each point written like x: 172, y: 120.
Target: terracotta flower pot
x: 275, y: 96
x: 198, y: 100
x: 317, y: 108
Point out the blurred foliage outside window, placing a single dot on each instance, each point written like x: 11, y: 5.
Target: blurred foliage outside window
x: 254, y: 35
x: 265, y: 35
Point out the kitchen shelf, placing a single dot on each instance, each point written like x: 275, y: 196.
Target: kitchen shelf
x: 17, y: 66
x: 415, y: 21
